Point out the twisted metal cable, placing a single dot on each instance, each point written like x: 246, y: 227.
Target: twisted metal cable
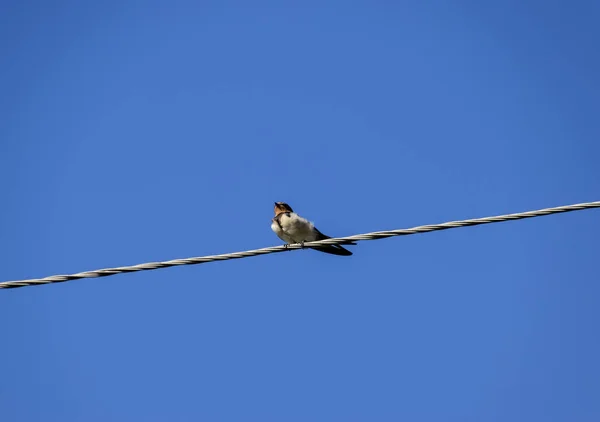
x: 275, y: 249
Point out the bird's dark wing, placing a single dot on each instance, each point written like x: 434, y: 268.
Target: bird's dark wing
x: 332, y: 249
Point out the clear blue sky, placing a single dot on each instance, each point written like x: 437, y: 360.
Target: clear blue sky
x: 145, y: 131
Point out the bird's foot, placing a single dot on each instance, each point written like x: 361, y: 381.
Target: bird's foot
x: 302, y: 244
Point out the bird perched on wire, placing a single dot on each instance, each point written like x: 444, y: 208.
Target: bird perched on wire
x: 291, y: 228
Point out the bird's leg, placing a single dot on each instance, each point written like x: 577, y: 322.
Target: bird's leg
x: 302, y: 244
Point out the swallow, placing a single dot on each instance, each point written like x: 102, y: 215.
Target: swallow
x: 291, y: 228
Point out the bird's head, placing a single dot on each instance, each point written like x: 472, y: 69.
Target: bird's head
x: 281, y: 207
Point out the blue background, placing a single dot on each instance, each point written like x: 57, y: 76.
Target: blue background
x: 144, y: 131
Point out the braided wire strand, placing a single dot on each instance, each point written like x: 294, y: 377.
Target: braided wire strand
x: 275, y: 249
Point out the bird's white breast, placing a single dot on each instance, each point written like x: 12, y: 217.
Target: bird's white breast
x: 298, y: 228
x: 275, y: 227
x: 280, y: 233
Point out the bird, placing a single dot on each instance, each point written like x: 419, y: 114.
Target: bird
x: 291, y: 228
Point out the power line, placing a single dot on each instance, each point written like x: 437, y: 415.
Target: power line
x: 274, y: 249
